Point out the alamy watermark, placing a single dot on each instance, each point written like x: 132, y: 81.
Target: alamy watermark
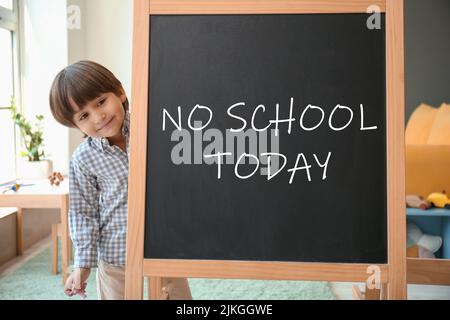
x: 73, y: 17
x: 374, y: 280
x: 374, y: 20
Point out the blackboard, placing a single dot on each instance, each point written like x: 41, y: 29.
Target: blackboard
x: 220, y: 60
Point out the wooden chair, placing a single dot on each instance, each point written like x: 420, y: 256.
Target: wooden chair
x: 56, y: 234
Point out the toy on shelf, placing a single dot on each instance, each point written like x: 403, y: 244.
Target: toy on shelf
x: 56, y: 178
x: 413, y: 201
x: 421, y: 245
x: 439, y: 200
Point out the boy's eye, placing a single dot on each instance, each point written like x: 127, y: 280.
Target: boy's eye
x: 83, y: 116
x: 101, y: 102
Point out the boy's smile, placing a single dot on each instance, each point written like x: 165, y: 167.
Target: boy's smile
x: 102, y: 117
x: 107, y: 125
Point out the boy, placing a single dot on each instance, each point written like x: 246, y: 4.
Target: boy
x: 89, y: 97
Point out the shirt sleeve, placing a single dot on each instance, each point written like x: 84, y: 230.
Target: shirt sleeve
x: 84, y: 215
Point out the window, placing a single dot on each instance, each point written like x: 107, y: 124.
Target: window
x: 8, y: 4
x: 8, y: 86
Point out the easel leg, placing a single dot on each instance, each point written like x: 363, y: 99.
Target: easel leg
x: 373, y: 294
x: 65, y: 238
x: 54, y: 249
x: 370, y: 294
x: 383, y: 294
x: 155, y: 291
x: 19, y: 231
x: 356, y: 293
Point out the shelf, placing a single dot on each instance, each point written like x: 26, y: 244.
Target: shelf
x: 413, y: 212
x: 434, y: 222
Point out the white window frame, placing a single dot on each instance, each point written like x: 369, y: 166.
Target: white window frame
x: 9, y: 19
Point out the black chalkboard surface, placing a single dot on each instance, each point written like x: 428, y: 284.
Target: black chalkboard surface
x: 326, y: 64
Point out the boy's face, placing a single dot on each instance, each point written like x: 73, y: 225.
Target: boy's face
x: 102, y: 117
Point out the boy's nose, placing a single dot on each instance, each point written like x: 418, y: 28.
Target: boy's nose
x: 100, y: 118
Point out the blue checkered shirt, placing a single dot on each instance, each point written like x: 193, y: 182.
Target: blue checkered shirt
x: 98, y: 185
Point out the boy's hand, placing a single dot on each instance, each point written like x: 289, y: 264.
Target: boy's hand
x: 76, y: 282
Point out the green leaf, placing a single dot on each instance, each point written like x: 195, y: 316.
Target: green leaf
x: 32, y: 134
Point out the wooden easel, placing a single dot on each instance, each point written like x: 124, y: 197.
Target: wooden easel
x: 393, y: 274
x: 369, y: 294
x: 419, y: 271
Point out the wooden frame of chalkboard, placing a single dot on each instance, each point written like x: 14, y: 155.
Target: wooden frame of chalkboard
x: 392, y: 274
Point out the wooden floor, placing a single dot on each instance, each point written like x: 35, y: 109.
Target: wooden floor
x: 342, y: 290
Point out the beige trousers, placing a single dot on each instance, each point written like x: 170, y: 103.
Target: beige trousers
x: 111, y: 284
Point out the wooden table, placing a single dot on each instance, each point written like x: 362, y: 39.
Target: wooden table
x: 41, y: 195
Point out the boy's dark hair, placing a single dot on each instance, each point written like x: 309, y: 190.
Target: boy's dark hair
x: 81, y: 82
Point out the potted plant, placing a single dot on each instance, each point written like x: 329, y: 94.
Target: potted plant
x: 35, y: 166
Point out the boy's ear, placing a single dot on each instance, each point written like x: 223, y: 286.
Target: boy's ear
x: 123, y: 96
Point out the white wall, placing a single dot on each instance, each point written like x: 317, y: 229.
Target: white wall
x: 105, y: 37
x: 76, y: 45
x: 44, y: 53
x: 109, y: 30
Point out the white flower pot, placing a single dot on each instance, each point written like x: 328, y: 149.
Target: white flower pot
x: 35, y: 170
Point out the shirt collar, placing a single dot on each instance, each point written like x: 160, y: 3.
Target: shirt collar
x: 103, y: 143
x: 126, y: 125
